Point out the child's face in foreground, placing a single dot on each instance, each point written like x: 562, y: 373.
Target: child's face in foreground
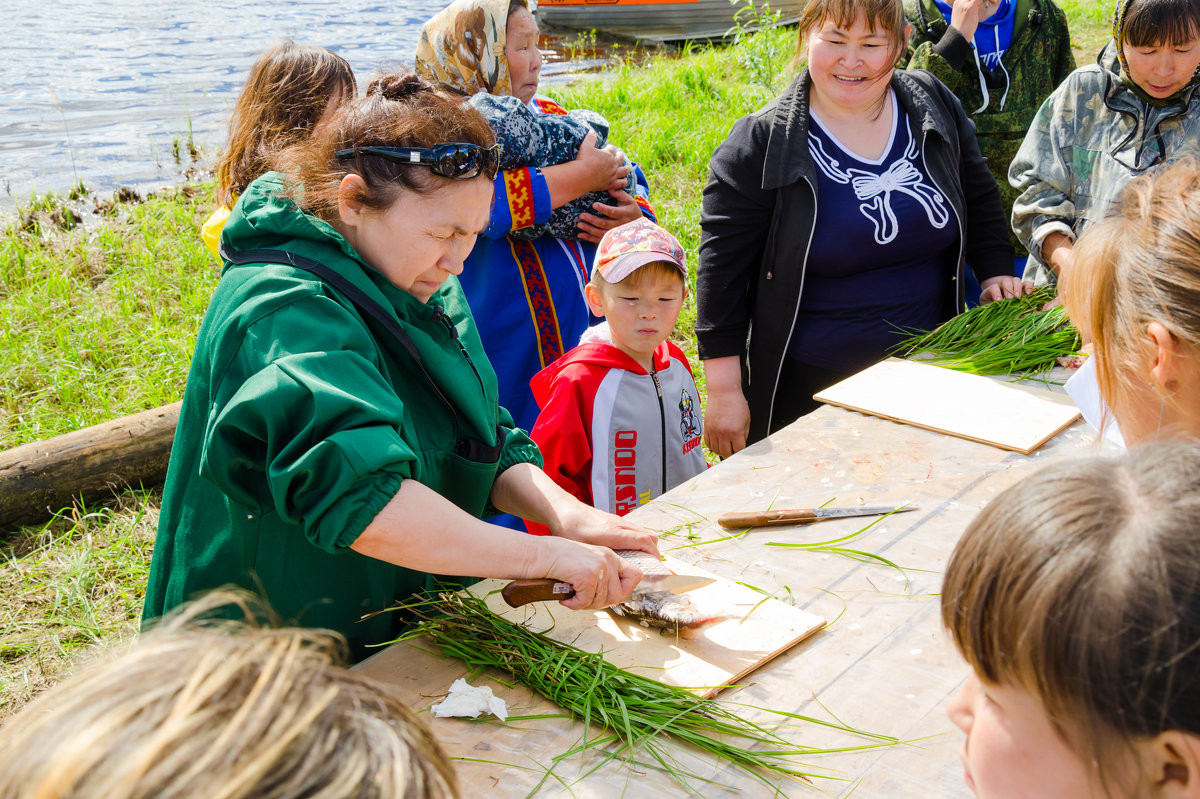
x: 641, y: 314
x: 524, y: 57
x: 1163, y: 69
x: 1012, y: 751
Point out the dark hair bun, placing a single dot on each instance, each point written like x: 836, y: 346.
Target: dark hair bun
x: 398, y: 85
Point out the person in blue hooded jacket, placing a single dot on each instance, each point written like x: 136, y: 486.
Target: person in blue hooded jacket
x: 1002, y: 59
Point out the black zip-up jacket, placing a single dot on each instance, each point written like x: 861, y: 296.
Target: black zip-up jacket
x: 759, y: 213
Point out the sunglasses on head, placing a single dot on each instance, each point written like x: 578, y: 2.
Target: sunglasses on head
x: 454, y: 160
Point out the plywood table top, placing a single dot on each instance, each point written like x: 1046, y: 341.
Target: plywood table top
x: 883, y: 664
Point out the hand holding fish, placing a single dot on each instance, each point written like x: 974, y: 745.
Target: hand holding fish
x: 589, y: 525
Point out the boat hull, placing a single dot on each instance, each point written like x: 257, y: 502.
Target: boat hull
x: 661, y: 21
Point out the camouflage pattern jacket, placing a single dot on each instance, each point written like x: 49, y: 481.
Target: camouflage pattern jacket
x: 1037, y: 61
x: 1090, y: 138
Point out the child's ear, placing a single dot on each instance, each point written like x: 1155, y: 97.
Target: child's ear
x: 350, y: 209
x: 595, y: 302
x: 1171, y: 765
x: 1169, y: 361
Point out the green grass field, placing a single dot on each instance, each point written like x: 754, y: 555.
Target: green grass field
x: 99, y: 321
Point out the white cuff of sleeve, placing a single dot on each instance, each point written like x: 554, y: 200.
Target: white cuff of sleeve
x: 1040, y: 234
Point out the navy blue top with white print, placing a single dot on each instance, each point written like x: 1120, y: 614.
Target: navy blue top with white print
x: 876, y: 263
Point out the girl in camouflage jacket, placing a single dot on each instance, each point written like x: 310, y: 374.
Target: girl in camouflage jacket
x: 1133, y: 110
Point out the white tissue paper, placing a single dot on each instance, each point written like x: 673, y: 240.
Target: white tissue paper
x: 1085, y: 390
x: 467, y: 700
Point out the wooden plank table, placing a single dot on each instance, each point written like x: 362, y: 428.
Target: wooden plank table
x: 885, y: 665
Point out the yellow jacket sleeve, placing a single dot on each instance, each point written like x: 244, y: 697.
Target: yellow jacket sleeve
x: 210, y: 231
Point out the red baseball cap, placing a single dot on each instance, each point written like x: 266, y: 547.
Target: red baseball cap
x: 633, y: 245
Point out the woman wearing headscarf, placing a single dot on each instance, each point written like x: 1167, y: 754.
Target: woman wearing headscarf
x: 1133, y: 110
x: 526, y: 295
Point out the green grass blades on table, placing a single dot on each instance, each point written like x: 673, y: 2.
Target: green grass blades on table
x: 639, y: 715
x: 1013, y: 336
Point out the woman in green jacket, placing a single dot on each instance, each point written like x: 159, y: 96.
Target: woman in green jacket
x: 340, y: 436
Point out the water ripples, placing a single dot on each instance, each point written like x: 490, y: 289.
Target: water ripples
x: 100, y: 91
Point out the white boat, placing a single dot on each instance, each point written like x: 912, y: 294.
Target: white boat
x: 660, y: 21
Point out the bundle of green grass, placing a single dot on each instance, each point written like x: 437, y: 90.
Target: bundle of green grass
x: 636, y: 715
x: 1012, y: 336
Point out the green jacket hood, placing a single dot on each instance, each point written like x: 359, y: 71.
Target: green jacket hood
x: 266, y: 217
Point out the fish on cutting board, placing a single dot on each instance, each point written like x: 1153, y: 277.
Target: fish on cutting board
x: 663, y: 610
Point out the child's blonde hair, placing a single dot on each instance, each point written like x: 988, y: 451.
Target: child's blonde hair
x: 1140, y: 264
x: 653, y: 272
x: 1081, y: 584
x: 286, y: 93
x: 223, y: 710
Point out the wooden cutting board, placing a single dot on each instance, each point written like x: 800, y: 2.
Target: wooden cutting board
x: 751, y: 631
x: 1008, y: 415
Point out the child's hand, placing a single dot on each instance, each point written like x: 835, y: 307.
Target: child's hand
x: 593, y: 226
x: 1002, y: 288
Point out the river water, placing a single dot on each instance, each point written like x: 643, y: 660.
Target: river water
x: 100, y: 91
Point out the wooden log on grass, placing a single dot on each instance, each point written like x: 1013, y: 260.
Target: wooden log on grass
x: 41, y: 478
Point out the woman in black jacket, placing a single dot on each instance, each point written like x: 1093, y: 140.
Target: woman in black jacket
x: 842, y: 212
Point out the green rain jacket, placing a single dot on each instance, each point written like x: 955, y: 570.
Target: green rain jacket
x: 302, y: 417
x: 1038, y: 60
x: 1092, y: 136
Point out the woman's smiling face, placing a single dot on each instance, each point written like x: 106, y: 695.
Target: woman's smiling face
x: 850, y: 66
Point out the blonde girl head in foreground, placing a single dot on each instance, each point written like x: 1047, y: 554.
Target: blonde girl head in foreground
x: 1075, y: 598
x: 1134, y: 292
x: 222, y: 710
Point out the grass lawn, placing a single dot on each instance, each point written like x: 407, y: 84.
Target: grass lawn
x: 100, y: 322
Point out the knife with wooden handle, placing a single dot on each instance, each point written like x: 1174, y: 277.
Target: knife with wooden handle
x: 655, y: 577
x: 767, y: 518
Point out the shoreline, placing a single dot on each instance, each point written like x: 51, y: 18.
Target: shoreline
x: 571, y: 56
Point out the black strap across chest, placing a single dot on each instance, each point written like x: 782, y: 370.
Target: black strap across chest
x: 470, y: 448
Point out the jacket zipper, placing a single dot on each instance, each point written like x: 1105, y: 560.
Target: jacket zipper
x: 662, y: 415
x: 440, y: 315
x: 959, y: 299
x: 795, y: 314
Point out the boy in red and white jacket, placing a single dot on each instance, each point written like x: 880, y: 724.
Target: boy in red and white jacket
x: 620, y: 414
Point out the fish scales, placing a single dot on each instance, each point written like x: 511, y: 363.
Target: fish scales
x: 661, y: 610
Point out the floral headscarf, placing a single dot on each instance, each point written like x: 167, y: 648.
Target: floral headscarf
x: 462, y: 47
x: 1121, y: 9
